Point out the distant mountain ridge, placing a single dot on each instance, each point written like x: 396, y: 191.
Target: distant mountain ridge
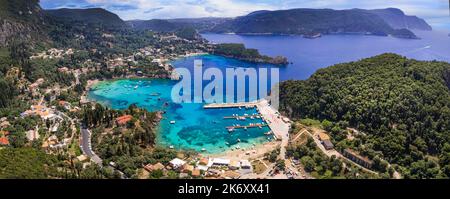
x: 390, y: 21
x: 171, y: 25
x: 314, y: 21
x: 396, y: 18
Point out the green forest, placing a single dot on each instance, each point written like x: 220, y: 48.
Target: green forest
x: 402, y: 105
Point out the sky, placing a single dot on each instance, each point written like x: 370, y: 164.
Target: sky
x: 435, y: 12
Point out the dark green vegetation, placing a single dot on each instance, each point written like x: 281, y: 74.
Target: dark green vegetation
x: 402, y: 105
x: 26, y: 163
x: 173, y: 25
x: 238, y: 51
x: 88, y: 16
x: 130, y: 146
x: 322, y: 167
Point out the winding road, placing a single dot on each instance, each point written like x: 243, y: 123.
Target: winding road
x: 86, y: 146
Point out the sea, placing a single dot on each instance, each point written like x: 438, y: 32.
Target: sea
x: 189, y: 126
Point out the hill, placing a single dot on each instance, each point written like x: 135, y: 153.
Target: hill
x: 21, y: 19
x: 402, y: 105
x: 88, y: 16
x: 172, y: 25
x: 311, y: 21
x: 157, y: 25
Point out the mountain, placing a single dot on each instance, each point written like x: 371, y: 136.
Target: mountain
x: 402, y: 105
x: 311, y: 21
x: 88, y: 16
x: 157, y: 25
x: 397, y: 19
x: 172, y: 25
x: 21, y: 19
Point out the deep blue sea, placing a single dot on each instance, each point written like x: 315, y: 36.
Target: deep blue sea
x: 197, y: 128
x: 308, y: 55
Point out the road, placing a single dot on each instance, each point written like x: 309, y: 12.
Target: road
x: 86, y: 146
x: 332, y: 152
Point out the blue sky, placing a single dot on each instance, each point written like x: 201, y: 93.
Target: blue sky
x: 435, y: 12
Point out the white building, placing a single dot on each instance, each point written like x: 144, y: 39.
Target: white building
x: 220, y: 162
x: 177, y: 163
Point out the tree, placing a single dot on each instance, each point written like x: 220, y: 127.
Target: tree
x: 280, y: 165
x: 308, y: 163
x: 156, y: 174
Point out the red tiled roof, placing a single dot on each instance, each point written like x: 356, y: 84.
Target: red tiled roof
x: 4, y: 141
x: 123, y: 119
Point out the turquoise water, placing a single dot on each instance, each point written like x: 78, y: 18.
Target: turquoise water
x: 195, y: 128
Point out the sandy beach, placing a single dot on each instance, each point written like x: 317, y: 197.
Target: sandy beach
x: 256, y: 152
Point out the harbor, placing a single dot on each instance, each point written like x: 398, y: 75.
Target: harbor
x: 270, y: 117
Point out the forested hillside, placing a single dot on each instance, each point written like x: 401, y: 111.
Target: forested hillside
x: 402, y: 104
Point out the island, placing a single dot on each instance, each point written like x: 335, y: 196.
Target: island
x: 239, y: 51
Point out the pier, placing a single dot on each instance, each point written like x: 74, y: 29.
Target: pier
x: 248, y: 126
x: 231, y: 105
x: 255, y: 116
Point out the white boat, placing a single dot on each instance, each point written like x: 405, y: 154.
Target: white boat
x: 172, y: 122
x: 203, y: 149
x: 171, y: 147
x: 230, y: 130
x: 238, y: 140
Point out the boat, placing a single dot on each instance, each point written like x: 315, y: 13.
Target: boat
x: 171, y: 147
x: 136, y: 87
x: 172, y: 122
x: 238, y: 140
x: 227, y: 143
x: 268, y: 133
x: 238, y: 147
x: 230, y: 130
x: 203, y: 149
x: 245, y: 128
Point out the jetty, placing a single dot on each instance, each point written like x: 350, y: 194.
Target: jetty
x: 231, y: 105
x: 257, y: 116
x: 247, y: 126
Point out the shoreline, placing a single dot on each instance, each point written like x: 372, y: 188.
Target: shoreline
x: 256, y: 151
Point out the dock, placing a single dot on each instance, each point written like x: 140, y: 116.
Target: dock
x: 231, y: 105
x: 248, y: 126
x: 258, y: 116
